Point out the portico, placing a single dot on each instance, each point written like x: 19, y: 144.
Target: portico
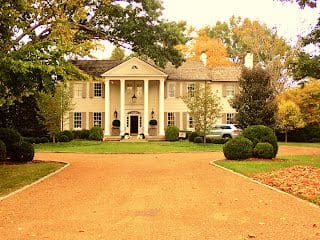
x: 134, y: 90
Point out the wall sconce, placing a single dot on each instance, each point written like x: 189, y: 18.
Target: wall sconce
x: 152, y: 114
x: 134, y: 98
x: 115, y: 114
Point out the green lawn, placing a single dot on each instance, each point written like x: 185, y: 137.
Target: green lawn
x: 14, y: 177
x: 126, y: 147
x: 298, y: 144
x: 251, y: 167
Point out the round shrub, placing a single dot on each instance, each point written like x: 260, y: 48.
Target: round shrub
x: 153, y: 122
x: 263, y: 150
x: 198, y: 139
x: 172, y: 133
x: 116, y: 123
x: 63, y: 138
x: 44, y: 140
x: 9, y: 136
x: 22, y: 152
x: 192, y: 136
x: 96, y: 133
x: 69, y: 134
x: 238, y: 148
x: 3, y: 151
x: 259, y: 134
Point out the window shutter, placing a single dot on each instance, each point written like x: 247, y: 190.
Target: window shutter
x: 177, y: 90
x: 184, y: 89
x: 237, y: 88
x: 177, y: 119
x: 224, y: 90
x: 102, y: 90
x: 165, y: 119
x: 165, y: 90
x: 91, y: 89
x: 224, y: 118
x: 90, y: 119
x: 71, y: 120
x: 83, y: 120
x: 84, y: 90
x: 71, y: 88
x: 235, y: 118
x: 185, y: 120
x: 102, y: 119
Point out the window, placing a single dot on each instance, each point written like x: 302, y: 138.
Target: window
x: 97, y: 119
x: 190, y: 88
x: 190, y: 122
x: 97, y: 89
x: 77, y: 90
x: 230, y: 91
x: 77, y: 120
x: 170, y: 118
x: 171, y: 89
x: 230, y: 118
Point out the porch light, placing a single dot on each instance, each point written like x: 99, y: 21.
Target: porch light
x: 134, y: 98
x: 152, y: 114
x: 115, y: 114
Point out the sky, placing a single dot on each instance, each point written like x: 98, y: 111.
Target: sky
x: 289, y: 20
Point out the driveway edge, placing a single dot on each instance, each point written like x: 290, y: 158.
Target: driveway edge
x: 263, y: 184
x: 38, y: 181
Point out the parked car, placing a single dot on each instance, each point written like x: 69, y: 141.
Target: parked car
x: 225, y: 131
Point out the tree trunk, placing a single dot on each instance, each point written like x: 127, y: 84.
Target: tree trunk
x: 54, y: 138
x: 286, y: 136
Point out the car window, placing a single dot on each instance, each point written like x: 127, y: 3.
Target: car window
x: 225, y: 127
x: 238, y: 126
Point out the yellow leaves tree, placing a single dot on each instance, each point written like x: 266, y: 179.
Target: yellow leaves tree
x: 289, y: 117
x: 215, y: 50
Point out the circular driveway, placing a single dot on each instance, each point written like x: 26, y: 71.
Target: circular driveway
x: 153, y: 196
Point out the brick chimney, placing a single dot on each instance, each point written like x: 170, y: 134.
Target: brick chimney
x: 248, y: 60
x: 203, y: 58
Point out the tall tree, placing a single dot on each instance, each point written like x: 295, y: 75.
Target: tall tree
x: 289, y: 117
x: 215, y: 50
x: 204, y: 108
x: 53, y: 108
x: 117, y: 54
x: 255, y: 103
x: 38, y: 36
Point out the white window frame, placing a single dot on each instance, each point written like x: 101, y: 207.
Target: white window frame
x: 97, y: 89
x: 230, y: 118
x: 77, y: 90
x: 190, y: 122
x: 171, y: 90
x: 190, y: 88
x: 97, y: 119
x: 171, y: 120
x: 77, y: 120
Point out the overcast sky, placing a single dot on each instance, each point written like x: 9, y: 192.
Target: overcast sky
x: 289, y: 19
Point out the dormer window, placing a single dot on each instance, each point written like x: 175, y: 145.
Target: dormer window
x: 134, y: 67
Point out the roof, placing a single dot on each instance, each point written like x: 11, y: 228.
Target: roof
x: 188, y: 71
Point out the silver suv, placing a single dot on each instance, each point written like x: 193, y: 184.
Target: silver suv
x: 225, y: 131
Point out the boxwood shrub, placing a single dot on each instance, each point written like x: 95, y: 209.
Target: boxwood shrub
x: 9, y: 136
x: 22, y: 152
x: 96, y: 133
x: 3, y: 151
x: 198, y: 139
x: 63, y: 138
x: 192, y: 136
x: 238, y: 148
x: 172, y: 133
x: 263, y: 150
x: 260, y: 133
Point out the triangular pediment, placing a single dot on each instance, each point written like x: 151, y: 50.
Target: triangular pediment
x: 134, y: 67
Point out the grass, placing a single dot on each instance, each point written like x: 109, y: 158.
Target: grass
x: 16, y: 176
x: 250, y: 167
x: 126, y: 147
x: 299, y: 144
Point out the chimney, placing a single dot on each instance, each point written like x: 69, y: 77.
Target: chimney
x: 248, y: 60
x: 203, y: 58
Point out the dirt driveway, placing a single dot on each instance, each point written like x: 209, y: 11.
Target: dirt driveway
x: 153, y: 197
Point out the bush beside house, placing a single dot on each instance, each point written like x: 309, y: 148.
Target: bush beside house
x: 172, y: 133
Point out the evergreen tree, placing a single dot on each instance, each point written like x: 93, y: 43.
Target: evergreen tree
x: 117, y: 54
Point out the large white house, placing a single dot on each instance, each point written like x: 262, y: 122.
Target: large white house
x: 134, y: 92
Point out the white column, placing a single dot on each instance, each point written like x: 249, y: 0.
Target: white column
x: 122, y: 101
x: 107, y: 108
x: 161, y: 107
x: 146, y: 108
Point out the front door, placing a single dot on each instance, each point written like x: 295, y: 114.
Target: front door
x: 134, y: 124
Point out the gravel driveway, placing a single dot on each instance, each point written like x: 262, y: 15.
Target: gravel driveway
x: 153, y: 197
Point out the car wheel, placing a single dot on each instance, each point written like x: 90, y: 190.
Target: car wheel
x: 226, y: 136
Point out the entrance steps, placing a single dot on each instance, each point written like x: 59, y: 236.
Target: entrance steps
x: 134, y: 139
x: 111, y: 138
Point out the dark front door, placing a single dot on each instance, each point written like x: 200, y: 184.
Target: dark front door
x: 134, y: 124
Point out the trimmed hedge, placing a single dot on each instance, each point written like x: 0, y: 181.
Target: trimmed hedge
x: 116, y: 123
x: 81, y: 134
x: 63, y: 138
x: 238, y: 148
x: 198, y: 139
x: 153, y: 122
x: 217, y: 140
x: 263, y: 150
x: 192, y: 136
x: 9, y: 136
x: 172, y: 133
x: 310, y: 133
x: 22, y: 152
x: 69, y: 134
x: 259, y: 133
x: 3, y: 151
x: 96, y: 133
